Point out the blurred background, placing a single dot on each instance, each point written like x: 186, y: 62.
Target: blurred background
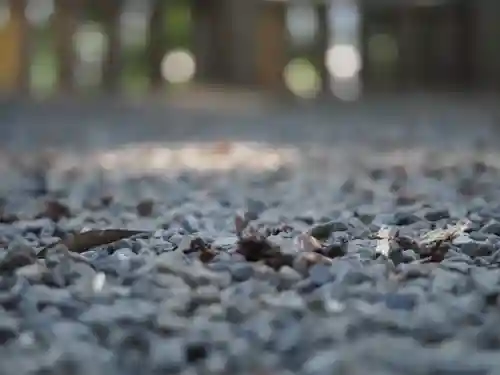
x: 389, y: 71
x: 344, y: 49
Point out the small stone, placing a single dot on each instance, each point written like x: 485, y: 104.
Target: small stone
x: 32, y: 272
x: 337, y: 248
x: 409, y: 256
x: 168, y: 356
x: 320, y: 274
x: 17, y: 257
x: 9, y: 328
x: 122, y: 311
x: 241, y: 271
x: 145, y: 208
x: 36, y: 225
x: 225, y: 242
x: 486, y: 281
x: 305, y: 260
x: 190, y: 224
x: 288, y: 277
x: 55, y: 210
x: 254, y: 209
x: 124, y: 254
x: 479, y: 236
x: 323, y: 231
x: 171, y: 323
x: 404, y: 218
x: 437, y: 214
x: 492, y: 227
x: 400, y: 301
x: 185, y: 243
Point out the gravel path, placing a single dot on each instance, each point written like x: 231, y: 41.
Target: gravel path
x: 367, y: 251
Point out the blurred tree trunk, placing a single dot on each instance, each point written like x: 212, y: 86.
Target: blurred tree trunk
x: 112, y: 64
x: 22, y: 31
x: 272, y: 49
x: 65, y: 25
x: 202, y: 14
x: 242, y: 16
x: 156, y: 43
x: 322, y: 46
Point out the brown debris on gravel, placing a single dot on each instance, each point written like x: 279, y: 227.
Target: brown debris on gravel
x: 205, y: 252
x: 432, y: 246
x: 256, y: 247
x: 145, y: 208
x: 435, y: 244
x: 55, y: 210
x: 80, y: 242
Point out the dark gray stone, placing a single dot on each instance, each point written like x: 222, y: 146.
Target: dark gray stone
x: 323, y: 230
x: 492, y: 227
x: 437, y: 214
x: 17, y: 257
x: 400, y: 301
x: 241, y: 271
x: 320, y: 274
x: 472, y: 247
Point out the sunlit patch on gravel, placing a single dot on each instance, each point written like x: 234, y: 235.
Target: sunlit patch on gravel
x: 197, y: 156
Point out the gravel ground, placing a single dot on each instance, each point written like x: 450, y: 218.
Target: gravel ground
x: 247, y: 257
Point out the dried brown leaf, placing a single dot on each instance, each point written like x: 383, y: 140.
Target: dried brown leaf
x: 80, y: 242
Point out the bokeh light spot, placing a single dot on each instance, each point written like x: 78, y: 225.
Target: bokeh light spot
x: 178, y: 66
x: 302, y: 78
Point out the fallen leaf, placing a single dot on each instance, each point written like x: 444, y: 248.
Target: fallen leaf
x: 80, y: 242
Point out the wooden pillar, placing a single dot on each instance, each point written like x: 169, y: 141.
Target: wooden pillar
x: 15, y: 62
x: 156, y: 43
x: 112, y: 64
x: 65, y: 26
x: 272, y: 47
x: 485, y: 51
x: 466, y: 29
x: 202, y: 13
x: 242, y: 16
x: 321, y: 47
x: 408, y: 43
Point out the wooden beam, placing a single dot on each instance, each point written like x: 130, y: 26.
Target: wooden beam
x: 272, y: 48
x: 112, y: 64
x: 17, y: 56
x: 156, y: 43
x: 65, y: 24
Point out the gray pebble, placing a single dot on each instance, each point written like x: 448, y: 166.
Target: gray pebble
x: 168, y: 356
x: 492, y: 227
x: 322, y: 231
x: 437, y: 214
x: 241, y: 271
x: 321, y: 274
